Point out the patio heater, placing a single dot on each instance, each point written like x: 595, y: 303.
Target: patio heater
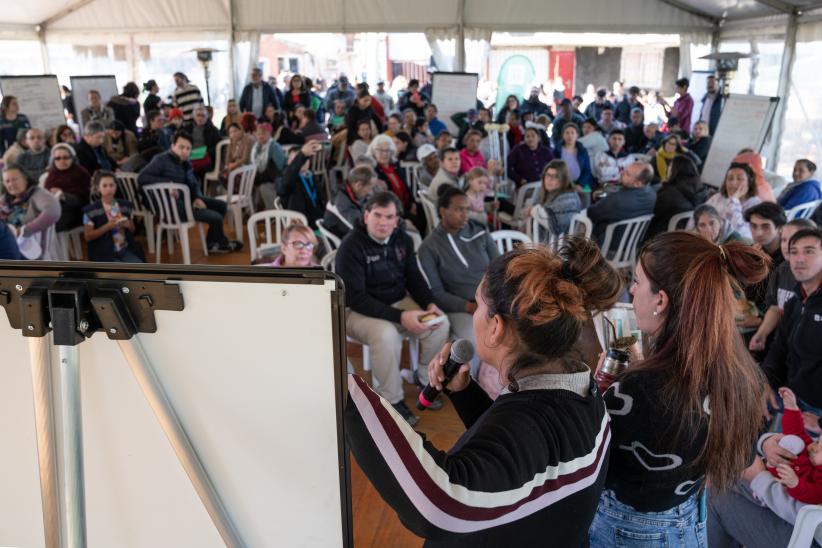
x: 204, y: 56
x: 727, y: 64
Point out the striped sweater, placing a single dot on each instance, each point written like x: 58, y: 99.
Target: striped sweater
x: 187, y: 99
x: 528, y: 471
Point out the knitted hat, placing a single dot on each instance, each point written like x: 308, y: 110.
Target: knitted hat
x: 176, y: 113
x: 792, y: 443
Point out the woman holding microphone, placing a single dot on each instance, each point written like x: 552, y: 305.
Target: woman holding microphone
x: 530, y: 467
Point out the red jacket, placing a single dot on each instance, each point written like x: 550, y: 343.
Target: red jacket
x: 809, y: 488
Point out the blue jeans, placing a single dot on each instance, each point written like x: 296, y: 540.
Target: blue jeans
x: 126, y: 256
x: 619, y: 525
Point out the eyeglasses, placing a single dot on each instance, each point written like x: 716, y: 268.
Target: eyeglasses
x: 299, y: 246
x: 61, y: 158
x: 385, y: 150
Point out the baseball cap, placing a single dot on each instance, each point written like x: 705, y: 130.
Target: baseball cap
x: 425, y: 151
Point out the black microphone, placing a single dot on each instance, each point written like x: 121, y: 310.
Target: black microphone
x: 462, y: 351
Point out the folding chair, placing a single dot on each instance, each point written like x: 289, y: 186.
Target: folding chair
x: 164, y: 206
x: 275, y: 221
x: 506, y: 240
x: 239, y: 195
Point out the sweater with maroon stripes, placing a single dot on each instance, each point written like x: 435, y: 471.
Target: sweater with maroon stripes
x: 527, y: 472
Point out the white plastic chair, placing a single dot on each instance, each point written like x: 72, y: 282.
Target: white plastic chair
x: 319, y: 168
x: 523, y: 197
x: 412, y: 175
x: 277, y: 219
x: 220, y: 152
x: 432, y: 218
x: 581, y: 225
x: 330, y: 240
x: 803, y: 211
x: 169, y: 218
x: 70, y: 244
x: 327, y: 262
x: 540, y: 228
x: 622, y: 253
x: 506, y: 239
x: 336, y: 212
x: 42, y: 180
x: 127, y: 182
x: 680, y: 221
x: 807, y: 521
x: 239, y: 195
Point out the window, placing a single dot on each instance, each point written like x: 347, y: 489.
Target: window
x: 802, y: 135
x: 642, y: 67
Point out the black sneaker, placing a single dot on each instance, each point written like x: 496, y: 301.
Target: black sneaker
x: 234, y: 245
x: 218, y: 249
x: 406, y: 413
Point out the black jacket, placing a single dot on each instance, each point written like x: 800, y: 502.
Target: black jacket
x: 102, y: 249
x: 352, y: 120
x: 289, y: 105
x: 211, y: 135
x: 87, y: 158
x: 378, y: 275
x: 795, y: 357
x: 671, y: 199
x: 269, y: 97
x: 294, y: 194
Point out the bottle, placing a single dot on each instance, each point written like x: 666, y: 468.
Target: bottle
x: 615, y: 362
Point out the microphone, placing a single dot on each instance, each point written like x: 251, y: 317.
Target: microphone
x: 462, y: 351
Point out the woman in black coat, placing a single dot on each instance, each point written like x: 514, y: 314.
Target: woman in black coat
x: 295, y: 96
x: 298, y: 189
x: 683, y: 192
x: 361, y: 110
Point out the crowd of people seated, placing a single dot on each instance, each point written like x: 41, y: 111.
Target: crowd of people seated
x: 409, y: 176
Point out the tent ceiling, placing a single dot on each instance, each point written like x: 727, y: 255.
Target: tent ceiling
x: 168, y: 16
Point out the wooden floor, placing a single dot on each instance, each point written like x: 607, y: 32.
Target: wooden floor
x: 375, y: 523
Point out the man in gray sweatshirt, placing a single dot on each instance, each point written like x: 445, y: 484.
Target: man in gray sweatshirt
x: 454, y: 258
x: 35, y: 160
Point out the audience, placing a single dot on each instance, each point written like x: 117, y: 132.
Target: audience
x: 342, y: 92
x: 173, y: 167
x: 594, y: 109
x: 205, y: 137
x: 527, y: 160
x: 232, y: 116
x: 385, y: 98
x: 186, y: 96
x: 635, y: 138
x: 31, y: 212
x: 240, y: 144
x: 70, y: 183
x: 670, y: 147
x: 269, y: 158
x: 119, y: 143
x: 12, y: 121
x: 298, y: 246
x: 608, y: 122
x: 634, y: 198
x: 754, y: 161
x: 387, y: 297
x: 448, y: 173
x: 565, y: 116
x: 35, y: 159
x: 257, y: 95
x: 575, y: 157
x: 470, y: 155
x: 700, y: 142
x: 710, y: 225
x: 153, y: 101
x: 736, y: 195
x: 108, y: 227
x: 435, y: 125
x: 297, y: 188
x: 781, y: 287
x: 609, y: 164
x: 804, y: 188
x: 534, y: 105
x: 90, y: 152
x: 683, y: 106
x: 17, y: 148
x: 126, y: 107
x: 711, y: 108
x: 383, y: 152
x: 349, y: 202
x: 592, y: 138
x: 454, y: 258
x: 362, y: 140
x: 511, y: 105
x: 558, y: 198
x: 96, y: 111
x: 413, y: 99
x: 683, y: 192
x: 9, y: 250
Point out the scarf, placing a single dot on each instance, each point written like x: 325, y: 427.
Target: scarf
x: 397, y: 186
x: 14, y: 212
x: 310, y: 188
x: 663, y: 160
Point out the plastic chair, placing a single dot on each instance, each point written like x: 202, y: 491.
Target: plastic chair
x: 581, y: 225
x: 803, y: 211
x: 624, y: 249
x: 412, y: 175
x: 319, y: 168
x: 330, y: 240
x: 239, y: 195
x: 523, y: 197
x: 807, y: 521
x: 164, y: 207
x: 680, y: 221
x: 127, y: 183
x: 220, y: 152
x: 541, y: 230
x: 279, y: 218
x: 70, y: 244
x: 327, y: 262
x: 42, y: 180
x: 336, y: 212
x: 506, y: 240
x: 432, y: 218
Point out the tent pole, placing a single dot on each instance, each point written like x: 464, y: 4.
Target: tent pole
x: 231, y: 43
x: 44, y: 50
x: 460, y: 49
x: 783, y: 91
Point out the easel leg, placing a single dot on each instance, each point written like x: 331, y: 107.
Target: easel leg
x: 73, y: 485
x: 39, y: 351
x: 150, y: 385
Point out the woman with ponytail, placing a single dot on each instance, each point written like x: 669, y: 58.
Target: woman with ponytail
x: 690, y: 411
x: 531, y: 465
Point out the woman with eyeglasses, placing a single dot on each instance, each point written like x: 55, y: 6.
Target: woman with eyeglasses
x: 299, y: 243
x: 70, y: 183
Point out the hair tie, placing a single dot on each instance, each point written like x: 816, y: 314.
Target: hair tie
x: 723, y: 255
x: 566, y: 273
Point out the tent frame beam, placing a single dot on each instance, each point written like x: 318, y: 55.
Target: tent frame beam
x: 783, y: 91
x: 778, y: 5
x: 65, y: 12
x: 689, y: 9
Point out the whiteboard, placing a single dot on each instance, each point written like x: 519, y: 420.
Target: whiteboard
x: 453, y: 92
x: 39, y: 99
x: 253, y: 366
x: 745, y: 123
x: 81, y: 85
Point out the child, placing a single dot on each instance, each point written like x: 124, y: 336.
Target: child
x: 477, y: 183
x: 803, y: 476
x: 109, y: 229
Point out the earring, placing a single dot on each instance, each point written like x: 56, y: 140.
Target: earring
x: 656, y: 313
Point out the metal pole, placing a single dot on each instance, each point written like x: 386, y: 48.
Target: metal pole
x: 783, y: 91
x: 157, y: 398
x: 40, y: 354
x: 73, y: 485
